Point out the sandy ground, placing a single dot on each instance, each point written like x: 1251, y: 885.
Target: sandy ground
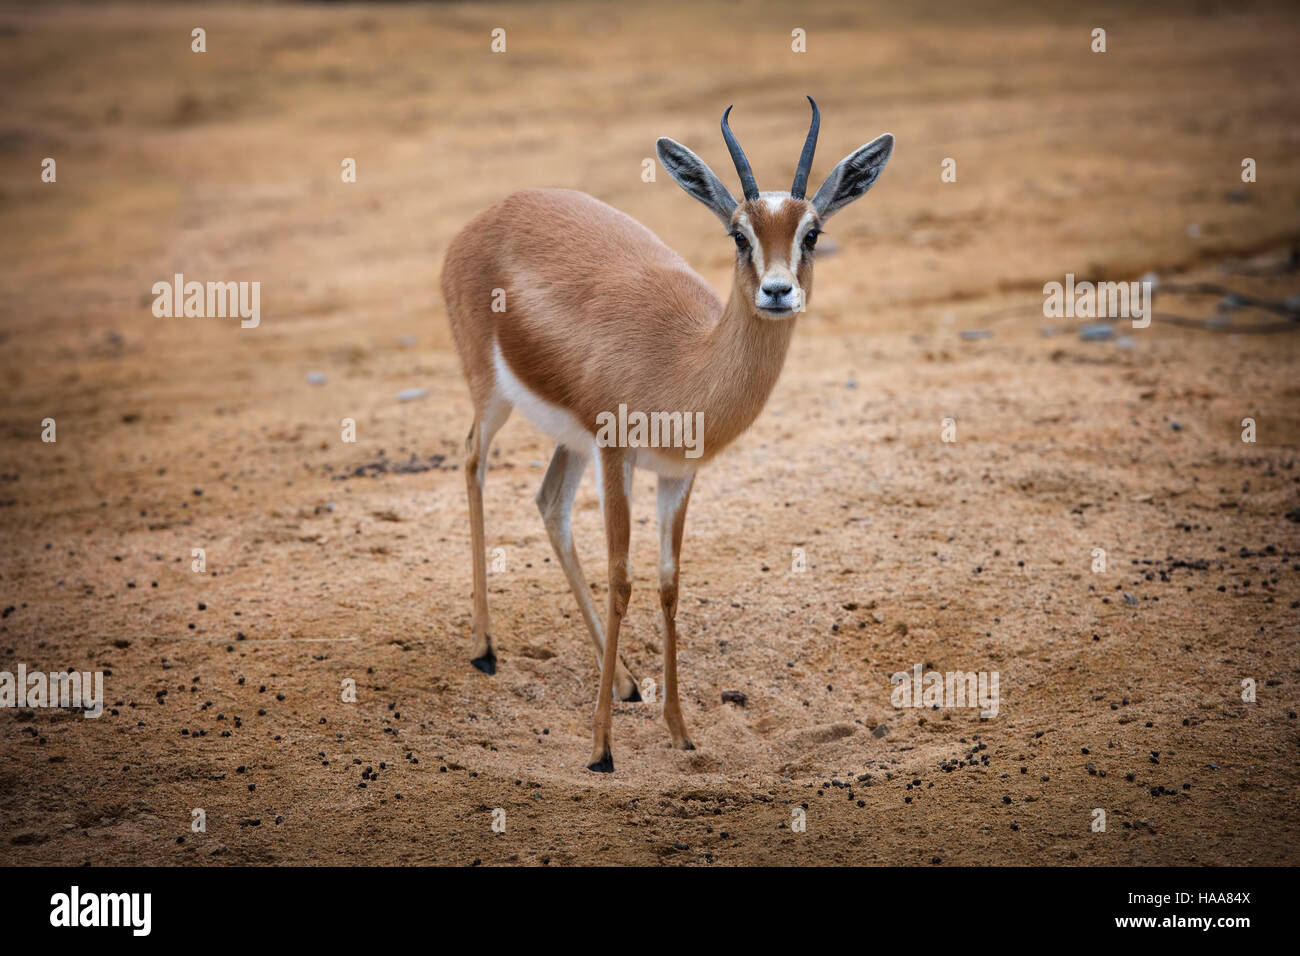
x: 329, y: 561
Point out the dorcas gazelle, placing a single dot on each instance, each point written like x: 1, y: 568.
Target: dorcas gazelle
x: 572, y: 312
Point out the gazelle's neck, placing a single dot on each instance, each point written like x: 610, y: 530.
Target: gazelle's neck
x: 739, y: 359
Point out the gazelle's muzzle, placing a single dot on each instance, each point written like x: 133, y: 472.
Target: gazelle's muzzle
x: 779, y: 293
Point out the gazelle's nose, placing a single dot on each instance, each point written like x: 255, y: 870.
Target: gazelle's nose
x: 777, y: 288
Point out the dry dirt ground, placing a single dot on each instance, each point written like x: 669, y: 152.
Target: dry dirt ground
x: 328, y: 561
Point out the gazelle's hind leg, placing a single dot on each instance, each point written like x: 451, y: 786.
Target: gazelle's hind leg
x: 615, y: 477
x: 555, y: 502
x: 674, y: 494
x: 491, y: 416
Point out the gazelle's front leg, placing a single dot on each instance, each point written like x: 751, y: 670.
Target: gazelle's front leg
x: 615, y: 477
x: 674, y: 493
x: 555, y: 501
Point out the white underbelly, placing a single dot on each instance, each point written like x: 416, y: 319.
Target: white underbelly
x: 557, y: 422
x: 561, y: 424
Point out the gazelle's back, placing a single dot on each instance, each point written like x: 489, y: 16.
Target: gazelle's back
x: 573, y: 273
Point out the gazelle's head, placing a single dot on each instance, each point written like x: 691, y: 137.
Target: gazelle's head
x: 775, y: 232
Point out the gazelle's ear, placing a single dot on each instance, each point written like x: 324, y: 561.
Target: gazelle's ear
x: 853, y: 176
x: 693, y: 175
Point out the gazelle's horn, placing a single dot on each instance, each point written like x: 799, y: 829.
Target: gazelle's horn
x: 747, y: 182
x: 805, y: 160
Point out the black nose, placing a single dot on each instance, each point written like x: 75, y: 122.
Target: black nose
x: 777, y: 288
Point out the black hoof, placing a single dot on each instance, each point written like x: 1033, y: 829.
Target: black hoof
x: 636, y: 695
x: 604, y: 765
x: 688, y: 746
x: 487, y: 663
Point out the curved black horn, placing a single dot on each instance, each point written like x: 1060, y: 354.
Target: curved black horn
x: 809, y: 147
x: 747, y: 182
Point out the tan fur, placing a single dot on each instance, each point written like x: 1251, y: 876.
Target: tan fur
x: 599, y: 312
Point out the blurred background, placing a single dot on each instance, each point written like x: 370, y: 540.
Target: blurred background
x: 174, y: 433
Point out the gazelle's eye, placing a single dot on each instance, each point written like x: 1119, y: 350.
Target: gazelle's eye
x: 810, y: 240
x: 741, y: 242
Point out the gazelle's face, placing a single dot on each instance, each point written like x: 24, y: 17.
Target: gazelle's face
x: 775, y: 235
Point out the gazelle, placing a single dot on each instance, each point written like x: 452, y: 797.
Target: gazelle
x: 599, y: 313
